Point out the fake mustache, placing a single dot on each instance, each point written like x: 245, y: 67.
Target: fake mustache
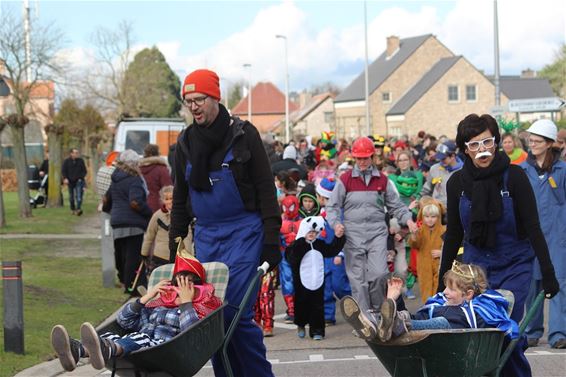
x: 483, y: 154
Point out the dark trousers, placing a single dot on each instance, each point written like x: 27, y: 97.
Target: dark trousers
x: 76, y: 194
x: 128, y: 258
x: 309, y: 308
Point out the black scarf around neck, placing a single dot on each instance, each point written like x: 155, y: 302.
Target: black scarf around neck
x: 204, y: 141
x: 483, y: 187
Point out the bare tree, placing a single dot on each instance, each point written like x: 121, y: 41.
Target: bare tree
x: 112, y: 54
x: 44, y: 65
x: 2, y: 210
x: 55, y: 142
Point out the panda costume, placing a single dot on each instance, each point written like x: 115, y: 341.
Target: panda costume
x: 307, y: 264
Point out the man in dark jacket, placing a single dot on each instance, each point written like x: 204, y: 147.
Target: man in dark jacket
x: 223, y: 178
x: 289, y: 162
x: 73, y: 172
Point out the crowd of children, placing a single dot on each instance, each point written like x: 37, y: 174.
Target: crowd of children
x: 312, y: 274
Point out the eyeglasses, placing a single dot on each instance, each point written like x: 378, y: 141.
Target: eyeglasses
x: 474, y: 146
x: 199, y: 101
x: 536, y: 142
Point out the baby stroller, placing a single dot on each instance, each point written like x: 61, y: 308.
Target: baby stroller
x: 40, y: 198
x: 186, y: 353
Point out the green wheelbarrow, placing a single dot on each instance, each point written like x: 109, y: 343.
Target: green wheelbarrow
x: 438, y: 353
x: 185, y: 354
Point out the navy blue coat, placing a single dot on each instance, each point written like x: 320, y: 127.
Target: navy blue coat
x: 126, y: 199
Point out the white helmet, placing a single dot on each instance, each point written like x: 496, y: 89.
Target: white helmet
x: 545, y: 128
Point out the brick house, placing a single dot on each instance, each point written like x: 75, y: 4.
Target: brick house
x: 268, y: 108
x: 40, y: 110
x: 419, y: 84
x: 315, y: 115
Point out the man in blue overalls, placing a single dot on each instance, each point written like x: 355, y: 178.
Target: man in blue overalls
x: 224, y: 180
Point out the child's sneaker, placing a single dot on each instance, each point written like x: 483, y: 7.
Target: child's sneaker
x: 329, y: 322
x: 401, y: 324
x: 388, y: 315
x: 301, y: 332
x: 99, y: 350
x: 267, y: 333
x: 317, y: 337
x: 410, y: 295
x: 288, y: 319
x: 357, y: 319
x: 68, y: 350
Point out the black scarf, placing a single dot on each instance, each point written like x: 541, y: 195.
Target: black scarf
x: 483, y: 187
x: 204, y: 142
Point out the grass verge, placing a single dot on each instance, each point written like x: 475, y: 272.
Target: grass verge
x: 62, y: 284
x: 43, y: 220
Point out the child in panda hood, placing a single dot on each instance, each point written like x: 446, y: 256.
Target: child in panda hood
x: 306, y: 257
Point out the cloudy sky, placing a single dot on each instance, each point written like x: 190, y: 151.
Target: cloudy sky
x: 325, y: 38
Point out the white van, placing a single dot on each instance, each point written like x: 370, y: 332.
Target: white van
x: 136, y: 133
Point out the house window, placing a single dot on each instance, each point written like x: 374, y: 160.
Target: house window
x: 386, y: 97
x: 453, y: 93
x: 328, y: 116
x: 471, y: 94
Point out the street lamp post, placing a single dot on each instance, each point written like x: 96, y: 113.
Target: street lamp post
x: 249, y: 66
x: 287, y: 129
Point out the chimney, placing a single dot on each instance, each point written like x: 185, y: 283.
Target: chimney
x: 304, y: 98
x: 528, y: 74
x: 392, y: 45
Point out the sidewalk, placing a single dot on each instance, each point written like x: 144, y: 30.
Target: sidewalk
x: 81, y: 236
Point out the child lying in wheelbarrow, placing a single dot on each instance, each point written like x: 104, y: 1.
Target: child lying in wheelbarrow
x: 180, y: 302
x: 465, y: 303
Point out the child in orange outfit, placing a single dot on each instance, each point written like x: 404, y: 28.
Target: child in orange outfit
x: 428, y: 241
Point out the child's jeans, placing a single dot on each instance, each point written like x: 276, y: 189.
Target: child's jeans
x: 132, y: 342
x: 430, y: 324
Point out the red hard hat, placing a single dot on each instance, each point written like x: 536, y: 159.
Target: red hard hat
x: 362, y: 147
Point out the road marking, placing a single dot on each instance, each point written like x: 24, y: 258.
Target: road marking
x: 319, y: 358
x: 316, y: 357
x: 544, y: 353
x: 363, y: 357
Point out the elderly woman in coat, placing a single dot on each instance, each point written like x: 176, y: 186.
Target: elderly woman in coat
x: 126, y: 201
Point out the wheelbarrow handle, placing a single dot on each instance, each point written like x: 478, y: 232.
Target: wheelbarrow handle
x: 261, y: 270
x: 524, y: 323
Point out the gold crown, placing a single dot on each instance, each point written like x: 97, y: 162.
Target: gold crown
x: 458, y: 269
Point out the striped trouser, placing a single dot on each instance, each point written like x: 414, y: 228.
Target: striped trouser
x: 132, y: 342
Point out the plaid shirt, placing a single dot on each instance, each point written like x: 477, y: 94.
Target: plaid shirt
x: 157, y: 323
x: 104, y: 179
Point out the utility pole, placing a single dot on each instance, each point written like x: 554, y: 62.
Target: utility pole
x: 287, y: 129
x: 27, y: 40
x: 249, y: 66
x: 368, y: 120
x: 496, y: 54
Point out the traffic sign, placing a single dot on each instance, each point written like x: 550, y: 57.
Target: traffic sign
x: 531, y: 105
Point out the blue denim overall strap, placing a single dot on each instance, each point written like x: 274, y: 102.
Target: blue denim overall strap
x: 226, y: 232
